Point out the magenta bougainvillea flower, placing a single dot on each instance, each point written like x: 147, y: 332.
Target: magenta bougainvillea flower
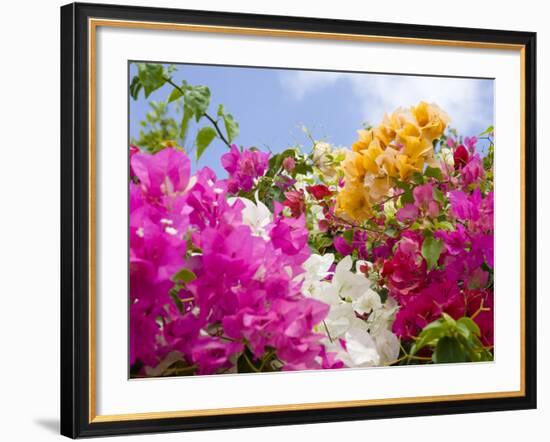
x: 424, y: 204
x: 406, y: 271
x: 243, y: 168
x: 243, y: 288
x: 289, y: 164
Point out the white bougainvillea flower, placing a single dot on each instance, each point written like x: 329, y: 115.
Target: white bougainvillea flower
x: 347, y: 283
x: 387, y: 345
x: 255, y: 215
x: 317, y: 268
x: 359, y: 349
x: 357, y: 316
x: 341, y: 319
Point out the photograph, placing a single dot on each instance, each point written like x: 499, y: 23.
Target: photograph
x: 290, y: 219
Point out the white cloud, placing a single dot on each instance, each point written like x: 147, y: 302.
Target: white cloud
x: 298, y: 84
x: 469, y: 102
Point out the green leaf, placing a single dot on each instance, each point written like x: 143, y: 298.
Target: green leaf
x: 439, y: 196
x: 348, y: 236
x: 444, y: 225
x: 448, y: 319
x: 449, y: 350
x: 185, y: 276
x: 176, y: 93
x: 431, y: 249
x: 469, y: 323
x: 151, y: 76
x: 429, y: 335
x: 135, y: 87
x: 407, y: 197
x: 204, y: 138
x: 402, y: 185
x: 231, y: 126
x: 417, y: 178
x: 433, y: 172
x: 198, y: 99
x: 177, y: 300
x: 322, y: 242
x: 487, y: 131
x: 187, y: 115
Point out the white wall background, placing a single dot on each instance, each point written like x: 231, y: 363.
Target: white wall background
x: 29, y: 219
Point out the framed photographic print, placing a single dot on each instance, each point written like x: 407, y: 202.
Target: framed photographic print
x: 279, y: 220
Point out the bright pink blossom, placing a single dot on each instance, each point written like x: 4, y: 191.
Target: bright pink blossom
x: 289, y: 164
x: 243, y: 168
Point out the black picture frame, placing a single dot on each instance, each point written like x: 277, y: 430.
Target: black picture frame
x: 75, y: 220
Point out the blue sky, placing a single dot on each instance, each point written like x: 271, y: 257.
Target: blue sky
x: 272, y: 105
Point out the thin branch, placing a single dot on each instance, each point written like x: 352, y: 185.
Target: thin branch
x: 214, y: 122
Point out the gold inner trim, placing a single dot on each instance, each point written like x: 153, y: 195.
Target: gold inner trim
x: 92, y: 222
x: 92, y: 28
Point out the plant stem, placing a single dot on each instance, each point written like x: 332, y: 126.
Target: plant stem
x: 250, y: 364
x: 328, y: 333
x: 215, y: 124
x: 265, y: 359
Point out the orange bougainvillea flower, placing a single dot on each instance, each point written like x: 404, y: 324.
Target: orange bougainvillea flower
x: 400, y: 146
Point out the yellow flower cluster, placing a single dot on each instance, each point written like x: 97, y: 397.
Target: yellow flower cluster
x: 396, y: 149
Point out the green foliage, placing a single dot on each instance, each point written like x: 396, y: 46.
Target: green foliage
x: 160, y: 129
x: 452, y: 341
x: 433, y: 172
x: 150, y: 77
x: 431, y: 249
x: 184, y: 276
x: 231, y: 126
x: 348, y: 236
x: 157, y: 128
x: 204, y: 138
x: 449, y: 350
x: 487, y: 131
x: 177, y: 92
x: 276, y: 161
x: 184, y: 125
x: 247, y: 363
x: 439, y: 196
x: 197, y: 98
x: 319, y: 243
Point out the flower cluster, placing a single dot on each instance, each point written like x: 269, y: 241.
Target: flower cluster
x: 210, y: 280
x: 394, y: 150
x: 332, y: 258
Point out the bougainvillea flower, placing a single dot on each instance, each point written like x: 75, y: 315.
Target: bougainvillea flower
x: 243, y: 168
x: 461, y: 156
x: 473, y: 171
x: 289, y: 164
x: 405, y: 272
x: 165, y: 173
x: 133, y: 151
x: 319, y: 191
x: 358, y: 243
x: 295, y: 201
